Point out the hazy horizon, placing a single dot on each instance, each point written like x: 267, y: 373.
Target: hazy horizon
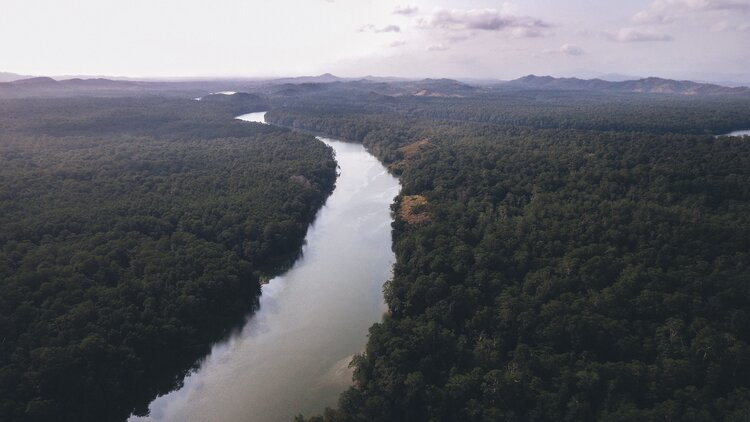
x: 472, y: 39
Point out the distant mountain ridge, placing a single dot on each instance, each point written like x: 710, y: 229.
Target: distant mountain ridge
x: 74, y: 82
x: 652, y: 85
x: 434, y: 88
x: 46, y: 86
x: 10, y: 77
x: 378, y: 86
x: 324, y: 78
x: 394, y: 87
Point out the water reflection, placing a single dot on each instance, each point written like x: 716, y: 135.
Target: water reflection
x: 292, y: 355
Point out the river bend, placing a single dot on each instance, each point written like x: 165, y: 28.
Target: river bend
x: 292, y: 355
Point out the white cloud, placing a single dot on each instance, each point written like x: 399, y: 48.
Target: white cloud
x: 662, y: 11
x: 389, y: 28
x: 381, y: 30
x: 478, y: 19
x: 406, y: 10
x: 723, y: 26
x: 437, y: 47
x: 571, y: 50
x: 527, y: 33
x: 398, y: 43
x: 639, y: 35
x: 720, y: 26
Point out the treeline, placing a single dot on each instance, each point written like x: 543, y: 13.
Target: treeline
x: 654, y: 113
x: 165, y: 118
x: 548, y: 109
x: 133, y: 234
x: 560, y: 274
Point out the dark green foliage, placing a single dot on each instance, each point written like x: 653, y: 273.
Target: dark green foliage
x: 542, y: 109
x: 133, y: 233
x: 564, y: 274
x: 586, y: 255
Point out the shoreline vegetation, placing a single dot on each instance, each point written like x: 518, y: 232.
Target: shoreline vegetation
x: 136, y: 233
x: 316, y: 316
x: 565, y: 273
x: 572, y: 254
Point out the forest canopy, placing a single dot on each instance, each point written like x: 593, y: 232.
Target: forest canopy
x: 133, y: 234
x: 574, y: 262
x: 561, y: 255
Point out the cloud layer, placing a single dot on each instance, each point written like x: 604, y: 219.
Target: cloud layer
x: 663, y: 11
x: 478, y: 19
x: 640, y: 35
x: 438, y: 38
x: 406, y: 10
x: 380, y: 30
x: 571, y: 50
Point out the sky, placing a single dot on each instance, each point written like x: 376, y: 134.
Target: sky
x: 483, y: 39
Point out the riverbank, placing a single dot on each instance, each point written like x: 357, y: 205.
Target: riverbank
x: 292, y: 355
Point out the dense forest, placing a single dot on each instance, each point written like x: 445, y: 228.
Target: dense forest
x: 540, y: 109
x: 134, y: 232
x: 561, y: 254
x: 551, y: 271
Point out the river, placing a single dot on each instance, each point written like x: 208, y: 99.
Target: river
x: 292, y: 355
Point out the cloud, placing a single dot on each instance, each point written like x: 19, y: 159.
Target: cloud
x: 389, y: 28
x: 478, y: 19
x: 663, y: 11
x: 639, y: 35
x: 565, y: 49
x: 527, y: 33
x: 381, y: 30
x: 406, y: 10
x: 720, y: 26
x: 571, y: 50
x: 398, y: 43
x: 723, y: 26
x: 437, y: 47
